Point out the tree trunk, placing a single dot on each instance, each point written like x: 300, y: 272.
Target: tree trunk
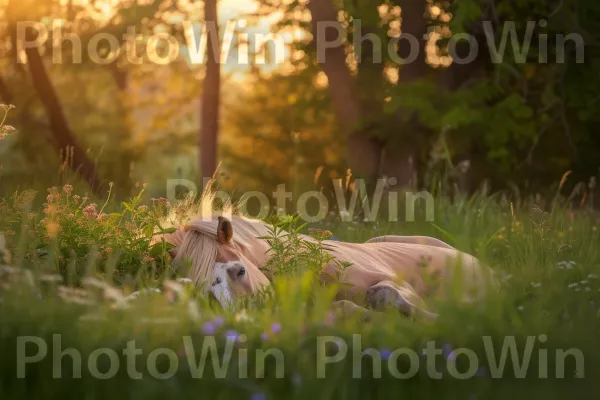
x: 64, y: 140
x: 401, y: 157
x: 362, y: 153
x: 124, y: 153
x: 209, y: 117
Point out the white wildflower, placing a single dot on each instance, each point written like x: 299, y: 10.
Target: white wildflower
x: 536, y: 284
x: 243, y: 316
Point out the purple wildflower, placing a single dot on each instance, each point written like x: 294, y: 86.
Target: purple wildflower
x: 218, y: 321
x: 385, y: 353
x: 208, y: 328
x: 264, y: 336
x: 480, y: 372
x: 232, y: 334
x: 258, y: 396
x: 276, y: 328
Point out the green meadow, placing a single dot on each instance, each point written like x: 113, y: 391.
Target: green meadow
x: 89, y: 309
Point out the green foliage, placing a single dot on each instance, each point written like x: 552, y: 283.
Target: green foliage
x: 291, y: 254
x: 547, y: 263
x: 78, y: 235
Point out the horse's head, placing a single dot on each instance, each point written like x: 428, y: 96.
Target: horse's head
x: 226, y: 264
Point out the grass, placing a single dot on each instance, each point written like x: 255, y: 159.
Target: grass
x: 63, y: 281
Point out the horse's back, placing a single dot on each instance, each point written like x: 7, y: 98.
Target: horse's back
x: 426, y: 267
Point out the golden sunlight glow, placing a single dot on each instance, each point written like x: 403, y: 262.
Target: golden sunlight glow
x: 258, y: 34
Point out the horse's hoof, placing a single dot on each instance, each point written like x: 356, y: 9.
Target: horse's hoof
x: 381, y: 297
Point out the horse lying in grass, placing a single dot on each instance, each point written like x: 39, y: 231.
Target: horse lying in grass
x: 387, y: 271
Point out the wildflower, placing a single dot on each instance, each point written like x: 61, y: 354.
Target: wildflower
x: 6, y: 130
x: 520, y: 308
x: 208, y: 328
x: 276, y: 328
x: 90, y: 211
x: 592, y: 276
x: 242, y: 316
x: 218, y: 321
x: 101, y: 216
x: 233, y: 335
x: 67, y: 189
x: 536, y: 284
x: 142, y: 209
x: 76, y: 197
x: 319, y: 234
x: 572, y: 285
x: 258, y: 396
x: 148, y: 259
x: 385, y: 354
x: 264, y: 336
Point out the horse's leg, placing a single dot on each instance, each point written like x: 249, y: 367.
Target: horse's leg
x: 388, y: 294
x: 426, y: 240
x: 346, y: 308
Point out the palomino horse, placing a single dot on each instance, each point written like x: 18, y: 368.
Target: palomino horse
x: 385, y: 271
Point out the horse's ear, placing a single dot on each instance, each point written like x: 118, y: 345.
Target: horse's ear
x: 224, y: 230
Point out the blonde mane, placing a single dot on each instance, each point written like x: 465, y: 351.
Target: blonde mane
x: 195, y: 237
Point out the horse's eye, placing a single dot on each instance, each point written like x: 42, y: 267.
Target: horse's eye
x: 217, y: 281
x: 242, y: 272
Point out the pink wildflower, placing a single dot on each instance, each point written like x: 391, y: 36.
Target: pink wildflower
x: 67, y: 189
x: 90, y: 211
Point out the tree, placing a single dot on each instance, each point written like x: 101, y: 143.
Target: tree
x: 209, y: 119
